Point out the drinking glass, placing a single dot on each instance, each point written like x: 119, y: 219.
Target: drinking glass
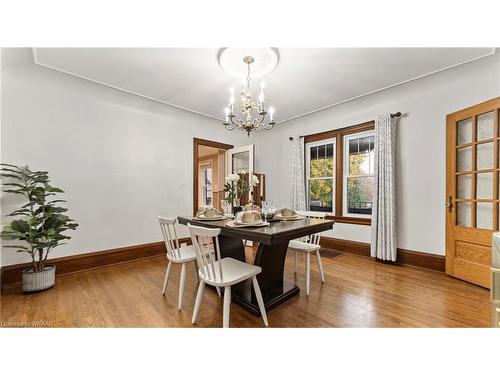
x: 226, y: 207
x: 271, y: 206
x: 265, y: 208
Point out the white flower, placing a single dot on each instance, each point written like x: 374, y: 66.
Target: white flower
x: 243, y: 172
x: 255, y: 181
x: 232, y: 178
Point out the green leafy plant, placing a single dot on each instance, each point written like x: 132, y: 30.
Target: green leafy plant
x: 43, y: 222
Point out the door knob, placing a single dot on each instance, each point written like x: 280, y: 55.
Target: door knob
x: 449, y: 204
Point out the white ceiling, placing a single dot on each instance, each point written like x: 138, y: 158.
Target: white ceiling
x: 304, y: 81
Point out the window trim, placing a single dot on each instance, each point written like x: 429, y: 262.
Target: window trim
x: 308, y: 169
x: 339, y: 134
x: 346, y: 139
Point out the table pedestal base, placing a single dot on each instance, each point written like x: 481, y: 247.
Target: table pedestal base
x: 243, y: 295
x: 275, y: 290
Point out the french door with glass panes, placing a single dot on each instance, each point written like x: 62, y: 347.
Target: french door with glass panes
x: 239, y: 160
x: 472, y: 191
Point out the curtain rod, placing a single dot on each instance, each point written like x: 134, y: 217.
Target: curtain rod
x: 397, y: 114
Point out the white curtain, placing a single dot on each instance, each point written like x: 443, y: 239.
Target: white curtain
x: 383, y: 239
x: 298, y: 187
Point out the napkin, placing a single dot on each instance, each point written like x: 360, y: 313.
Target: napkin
x: 286, y: 212
x: 208, y: 212
x: 248, y: 217
x: 252, y: 207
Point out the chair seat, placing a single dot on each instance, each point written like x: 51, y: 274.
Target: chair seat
x: 303, y: 246
x: 233, y: 272
x: 188, y: 253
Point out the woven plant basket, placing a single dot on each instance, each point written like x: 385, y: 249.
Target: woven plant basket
x: 38, y: 281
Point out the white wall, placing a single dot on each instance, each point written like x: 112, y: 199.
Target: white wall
x: 421, y: 146
x: 124, y: 160
x: 121, y: 159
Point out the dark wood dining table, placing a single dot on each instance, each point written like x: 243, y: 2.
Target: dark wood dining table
x: 271, y: 253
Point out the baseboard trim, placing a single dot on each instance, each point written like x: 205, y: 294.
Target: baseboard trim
x: 11, y: 275
x: 405, y: 257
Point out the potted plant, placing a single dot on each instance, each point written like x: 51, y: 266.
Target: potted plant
x: 41, y: 224
x: 235, y: 187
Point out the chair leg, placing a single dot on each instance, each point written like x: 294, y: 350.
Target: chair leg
x: 260, y: 301
x: 199, y: 297
x: 308, y: 271
x: 227, y: 306
x: 181, y: 285
x: 320, y: 266
x: 218, y: 291
x: 195, y: 265
x: 295, y: 257
x: 167, y: 276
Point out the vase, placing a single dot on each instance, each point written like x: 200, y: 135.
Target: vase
x: 37, y: 281
x: 236, y: 206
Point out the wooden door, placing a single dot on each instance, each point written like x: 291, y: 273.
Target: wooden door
x: 472, y: 191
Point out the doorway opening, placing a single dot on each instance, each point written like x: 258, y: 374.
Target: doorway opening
x: 209, y: 171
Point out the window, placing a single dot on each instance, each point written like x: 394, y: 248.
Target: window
x: 320, y: 175
x: 339, y: 173
x: 206, y: 187
x: 358, y: 174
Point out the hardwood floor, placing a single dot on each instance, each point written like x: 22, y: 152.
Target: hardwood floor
x: 358, y: 292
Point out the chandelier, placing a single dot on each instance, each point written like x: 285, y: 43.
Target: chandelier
x: 253, y: 113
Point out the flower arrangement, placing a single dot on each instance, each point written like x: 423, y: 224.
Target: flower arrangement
x: 236, y: 186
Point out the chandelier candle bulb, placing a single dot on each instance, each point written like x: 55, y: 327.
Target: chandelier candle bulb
x: 271, y: 113
x: 231, y: 99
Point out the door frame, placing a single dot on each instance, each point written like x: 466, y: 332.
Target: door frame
x: 202, y: 142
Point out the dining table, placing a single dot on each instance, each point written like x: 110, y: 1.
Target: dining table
x: 270, y: 256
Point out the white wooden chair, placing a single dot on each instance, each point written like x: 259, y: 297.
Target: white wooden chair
x: 223, y: 272
x: 176, y: 254
x: 308, y: 245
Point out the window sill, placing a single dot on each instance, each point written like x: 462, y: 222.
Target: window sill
x: 349, y: 220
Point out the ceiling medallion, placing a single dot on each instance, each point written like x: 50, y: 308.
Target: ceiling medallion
x: 253, y: 113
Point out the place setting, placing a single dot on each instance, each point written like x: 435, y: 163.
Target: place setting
x: 271, y: 214
x: 209, y: 214
x: 251, y: 216
x: 287, y: 214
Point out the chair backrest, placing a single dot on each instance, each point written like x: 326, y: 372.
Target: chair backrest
x: 312, y: 238
x: 169, y: 232
x: 206, y: 243
x: 312, y: 214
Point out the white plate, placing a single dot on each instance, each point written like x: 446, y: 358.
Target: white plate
x: 214, y: 218
x: 232, y: 224
x: 285, y: 218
